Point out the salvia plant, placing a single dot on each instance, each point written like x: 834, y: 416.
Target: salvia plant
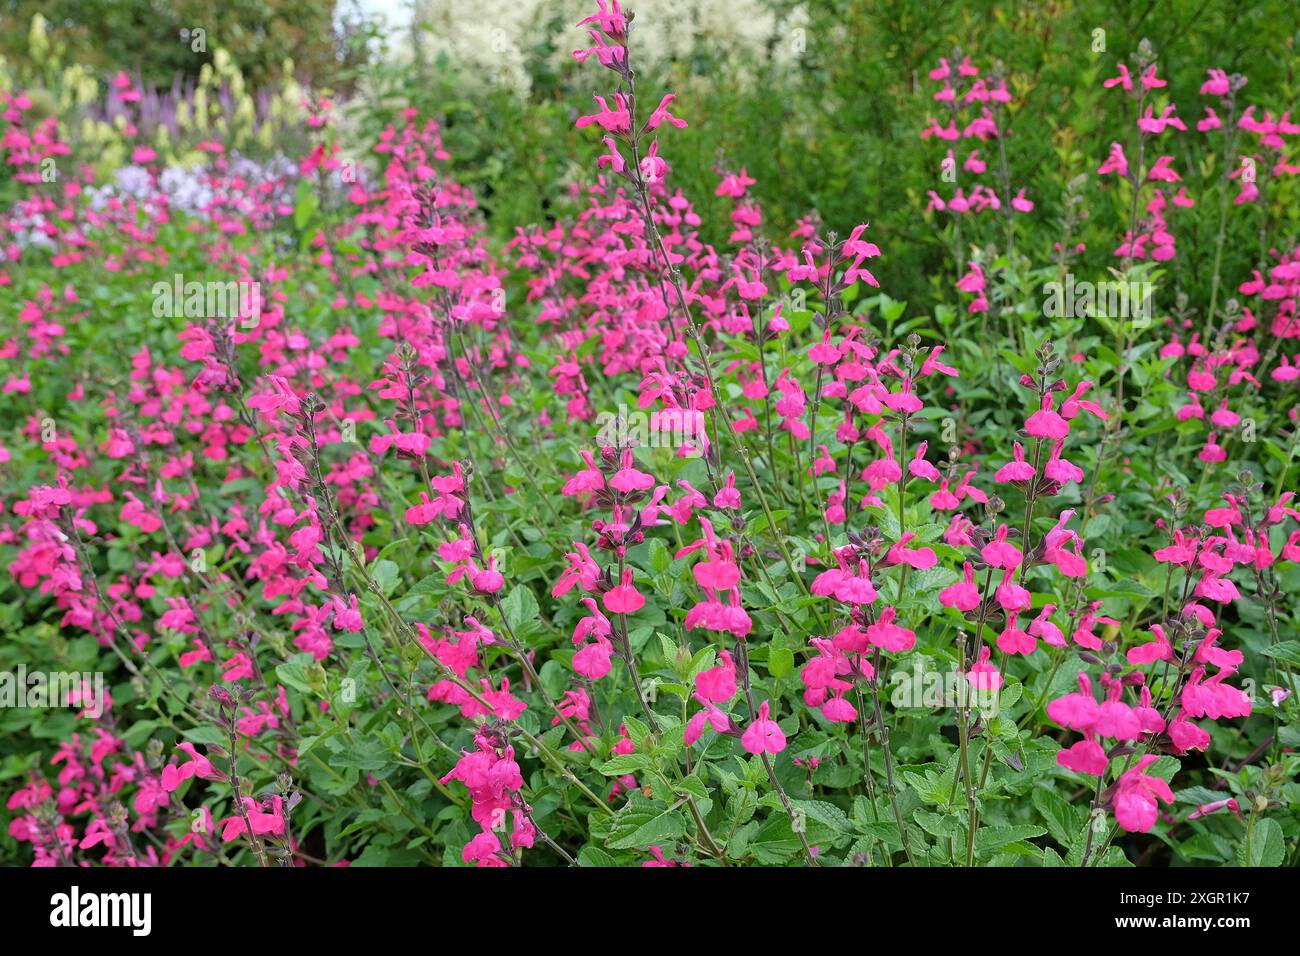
x: 338, y: 532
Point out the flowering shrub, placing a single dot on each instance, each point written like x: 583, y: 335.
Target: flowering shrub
x: 606, y: 546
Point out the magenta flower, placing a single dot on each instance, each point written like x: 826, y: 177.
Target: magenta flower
x: 1115, y: 162
x: 1046, y: 423
x: 1076, y: 711
x: 763, y: 735
x: 1086, y: 756
x: 999, y: 552
x: 263, y: 823
x: 718, y: 684
x: 890, y: 636
x: 709, y: 716
x: 963, y: 595
x: 624, y: 598
x: 1135, y: 798
x: 198, y: 765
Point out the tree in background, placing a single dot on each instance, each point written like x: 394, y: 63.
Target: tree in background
x: 159, y: 40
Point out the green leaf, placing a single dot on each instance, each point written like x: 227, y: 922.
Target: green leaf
x: 660, y: 559
x: 1166, y: 767
x: 931, y: 579
x: 206, y: 735
x: 693, y: 785
x: 1062, y: 820
x: 644, y: 823
x: 1264, y: 847
x: 294, y: 675
x: 780, y: 662
x: 1287, y: 651
x: 827, y: 813
x: 385, y: 573
x: 990, y: 838
x: 305, y: 203
x: 595, y: 856
x: 429, y: 584
x: 637, y: 731
x: 1080, y: 843
x: 520, y: 606
x: 942, y: 825
x: 775, y: 841
x: 623, y: 764
x: 669, y: 648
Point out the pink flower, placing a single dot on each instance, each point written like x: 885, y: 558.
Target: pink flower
x: 763, y: 735
x: 262, y: 823
x: 593, y: 660
x: 1011, y: 596
x: 1077, y: 711
x: 1149, y: 79
x: 728, y: 497
x: 616, y: 119
x: 661, y: 114
x: 963, y: 595
x: 982, y: 675
x: 1158, y: 650
x: 1046, y: 423
x: 1043, y: 628
x: 1161, y: 172
x: 1086, y: 756
x: 1217, y: 83
x: 1123, y: 80
x: 837, y: 710
x: 919, y: 557
x: 173, y: 776
x: 718, y: 574
x: 582, y: 571
x: 1000, y: 553
x: 484, y: 851
x: 347, y: 617
x: 1115, y: 162
x: 1186, y: 735
x: 710, y: 716
x: 1116, y: 719
x: 918, y: 467
x: 624, y: 598
x: 1013, y: 640
x: 718, y: 684
x: 890, y: 636
x: 660, y: 860
x: 587, y: 480
x: 1018, y: 469
x: 1072, y: 405
x: 1205, y: 809
x: 628, y: 479
x: 1135, y: 798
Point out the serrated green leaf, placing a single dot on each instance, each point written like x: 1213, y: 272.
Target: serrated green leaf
x: 1264, y: 846
x: 623, y: 764
x: 644, y: 823
x: 1287, y: 651
x: 991, y: 838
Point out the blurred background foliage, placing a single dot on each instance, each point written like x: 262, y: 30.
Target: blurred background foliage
x: 151, y: 39
x: 821, y: 102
